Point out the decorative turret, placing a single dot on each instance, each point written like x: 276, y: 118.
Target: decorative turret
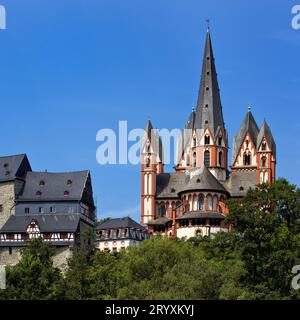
x: 152, y: 164
x: 266, y: 155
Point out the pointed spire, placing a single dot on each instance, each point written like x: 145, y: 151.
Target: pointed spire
x: 265, y: 132
x: 209, y: 108
x: 249, y: 125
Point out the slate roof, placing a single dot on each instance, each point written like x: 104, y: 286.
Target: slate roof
x: 240, y: 182
x: 201, y: 215
x: 120, y: 223
x: 169, y: 184
x: 265, y: 132
x: 203, y: 179
x: 46, y: 223
x: 209, y: 108
x: 12, y: 167
x: 55, y: 186
x: 209, y: 111
x: 249, y: 125
x: 160, y: 221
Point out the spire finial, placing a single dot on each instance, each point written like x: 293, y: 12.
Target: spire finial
x: 249, y: 108
x: 193, y: 109
x: 208, y: 25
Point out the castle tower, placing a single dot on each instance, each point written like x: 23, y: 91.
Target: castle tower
x: 152, y: 164
x: 205, y: 140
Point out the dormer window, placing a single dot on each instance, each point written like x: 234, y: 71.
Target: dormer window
x: 42, y: 183
x: 69, y: 183
x: 6, y: 165
x: 207, y: 140
x: 7, y: 173
x: 38, y: 193
x: 66, y: 193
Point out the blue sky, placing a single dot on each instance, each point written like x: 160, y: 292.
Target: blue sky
x: 71, y: 67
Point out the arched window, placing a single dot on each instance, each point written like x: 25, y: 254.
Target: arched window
x: 247, y: 159
x: 207, y: 139
x: 194, y: 160
x: 215, y: 203
x: 207, y: 158
x: 188, y: 161
x: 263, y: 162
x: 195, y: 204
x: 201, y: 202
x: 209, y: 203
x: 220, y: 141
x: 162, y: 210
x: 264, y: 146
x: 194, y: 142
x: 220, y: 158
x: 147, y: 162
x: 198, y: 234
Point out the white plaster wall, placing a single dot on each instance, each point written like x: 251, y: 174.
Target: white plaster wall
x: 190, y: 232
x: 119, y: 244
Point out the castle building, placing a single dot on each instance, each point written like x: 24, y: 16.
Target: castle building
x: 191, y: 201
x: 115, y: 235
x: 58, y: 207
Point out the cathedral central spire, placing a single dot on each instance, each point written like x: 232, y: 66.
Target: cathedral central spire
x: 209, y: 108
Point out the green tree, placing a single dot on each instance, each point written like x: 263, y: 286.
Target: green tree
x: 266, y: 231
x: 34, y: 277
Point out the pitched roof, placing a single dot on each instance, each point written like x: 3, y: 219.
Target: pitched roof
x: 169, y: 184
x: 160, y: 221
x: 12, y: 167
x: 240, y: 181
x: 265, y: 132
x: 46, y: 223
x: 203, y: 179
x: 120, y: 223
x: 209, y: 112
x: 44, y: 186
x: 249, y: 125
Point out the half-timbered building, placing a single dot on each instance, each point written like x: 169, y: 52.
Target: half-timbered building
x: 57, y: 207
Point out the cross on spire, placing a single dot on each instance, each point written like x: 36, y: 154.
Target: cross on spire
x: 208, y: 24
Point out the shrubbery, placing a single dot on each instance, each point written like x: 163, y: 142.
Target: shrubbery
x: 254, y: 261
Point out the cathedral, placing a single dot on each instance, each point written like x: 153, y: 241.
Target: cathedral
x: 190, y: 202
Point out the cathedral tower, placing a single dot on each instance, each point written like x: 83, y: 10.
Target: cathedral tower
x: 205, y: 140
x: 152, y: 164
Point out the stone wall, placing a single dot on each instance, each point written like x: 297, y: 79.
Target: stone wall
x: 7, y: 200
x: 61, y: 257
x: 10, y: 258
